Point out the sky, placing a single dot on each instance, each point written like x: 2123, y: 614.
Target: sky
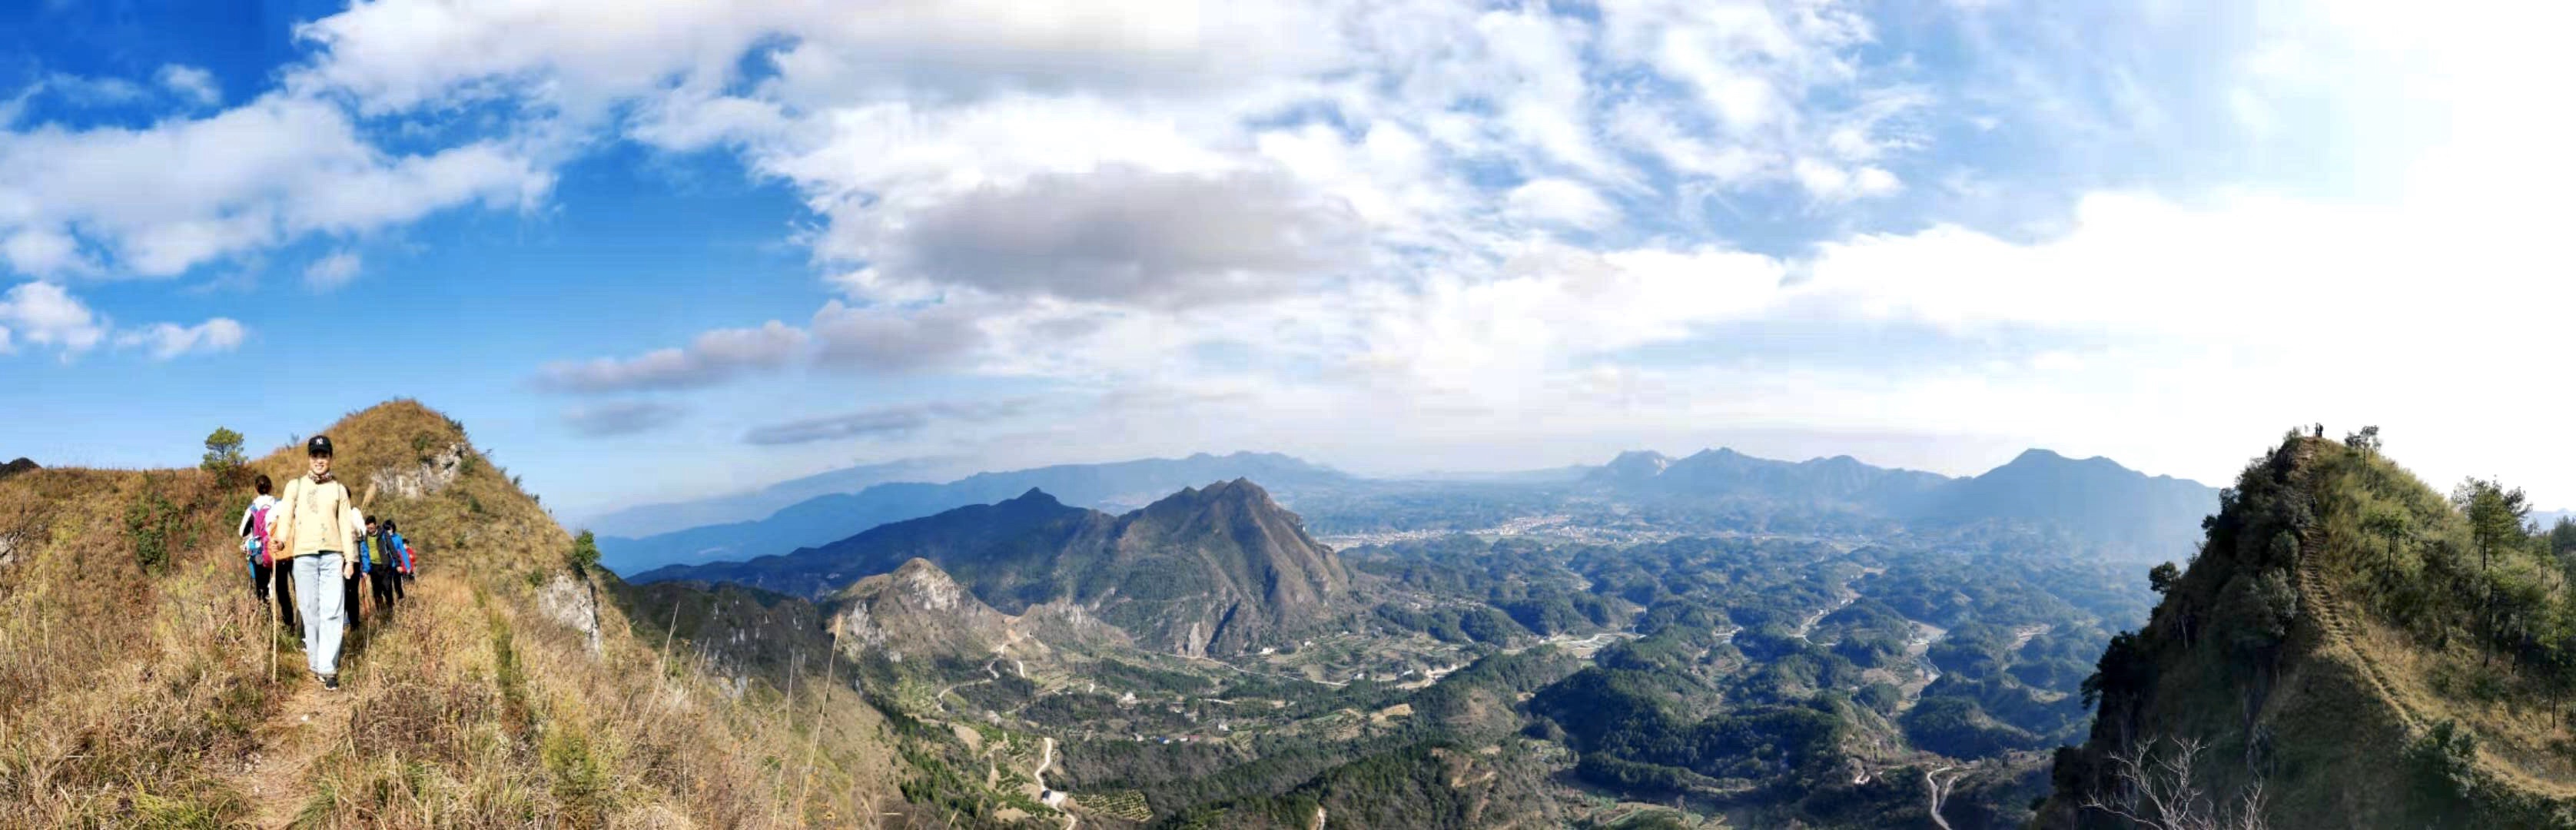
x: 648, y: 251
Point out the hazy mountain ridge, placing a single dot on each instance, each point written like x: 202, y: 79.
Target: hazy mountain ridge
x: 825, y: 519
x: 1219, y: 568
x: 2091, y: 504
x: 674, y: 516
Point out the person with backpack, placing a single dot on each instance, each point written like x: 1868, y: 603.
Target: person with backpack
x: 358, y: 571
x: 313, y: 517
x: 269, y: 582
x: 384, y: 579
x: 254, y: 536
x: 398, y: 553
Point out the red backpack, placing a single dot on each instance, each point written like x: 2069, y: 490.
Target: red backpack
x: 257, y: 546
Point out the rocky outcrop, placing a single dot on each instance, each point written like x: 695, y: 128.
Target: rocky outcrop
x: 571, y: 601
x: 919, y: 610
x: 431, y: 475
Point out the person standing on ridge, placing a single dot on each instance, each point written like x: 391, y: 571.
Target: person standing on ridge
x: 314, y: 516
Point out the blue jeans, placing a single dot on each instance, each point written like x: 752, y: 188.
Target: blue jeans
x: 318, y: 597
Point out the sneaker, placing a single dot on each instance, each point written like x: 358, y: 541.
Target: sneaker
x: 331, y: 683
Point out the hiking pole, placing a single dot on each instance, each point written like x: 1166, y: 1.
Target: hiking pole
x: 273, y: 599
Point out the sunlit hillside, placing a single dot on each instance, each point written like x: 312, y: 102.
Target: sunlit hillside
x: 136, y: 687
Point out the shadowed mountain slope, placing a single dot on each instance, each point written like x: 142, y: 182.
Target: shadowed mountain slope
x: 2365, y: 651
x: 1215, y: 569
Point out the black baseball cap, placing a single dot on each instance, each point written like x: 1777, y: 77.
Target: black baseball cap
x: 320, y: 445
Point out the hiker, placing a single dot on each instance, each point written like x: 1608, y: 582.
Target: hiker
x: 384, y: 579
x: 358, y: 566
x: 314, y: 516
x: 398, y: 551
x: 254, y: 536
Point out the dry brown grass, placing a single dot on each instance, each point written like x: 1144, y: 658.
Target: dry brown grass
x: 133, y: 698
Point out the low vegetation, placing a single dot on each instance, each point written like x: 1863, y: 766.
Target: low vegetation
x: 136, y: 678
x: 2374, y: 652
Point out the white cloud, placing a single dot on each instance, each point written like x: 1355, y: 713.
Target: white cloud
x: 581, y: 56
x: 41, y: 252
x: 160, y: 200
x: 46, y: 315
x: 890, y: 340
x: 1123, y: 234
x: 332, y: 271
x: 891, y: 118
x: 194, y: 84
x: 1560, y: 202
x: 168, y: 340
x: 713, y: 358
x: 2078, y: 252
x: 1833, y: 183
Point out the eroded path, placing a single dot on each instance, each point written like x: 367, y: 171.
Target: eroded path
x: 278, y: 776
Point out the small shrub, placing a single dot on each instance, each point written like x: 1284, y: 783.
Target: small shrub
x: 585, y: 553
x: 581, y: 779
x: 153, y: 525
x: 2446, y: 757
x: 513, y: 681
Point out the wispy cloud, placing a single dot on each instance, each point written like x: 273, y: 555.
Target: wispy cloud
x: 884, y: 421
x: 192, y: 84
x: 622, y: 417
x: 332, y: 271
x: 713, y: 358
x: 169, y: 340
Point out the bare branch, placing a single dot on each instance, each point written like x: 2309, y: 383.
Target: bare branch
x: 2157, y: 790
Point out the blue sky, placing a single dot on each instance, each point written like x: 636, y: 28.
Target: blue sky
x: 650, y: 251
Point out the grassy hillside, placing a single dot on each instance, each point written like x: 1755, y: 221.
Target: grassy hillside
x: 135, y: 688
x: 2365, y: 650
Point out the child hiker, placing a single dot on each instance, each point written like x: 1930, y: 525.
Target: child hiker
x: 314, y: 516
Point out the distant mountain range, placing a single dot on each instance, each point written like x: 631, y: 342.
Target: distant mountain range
x: 2093, y: 504
x: 666, y: 517
x: 1216, y: 570
x: 2109, y: 508
x: 831, y: 517
x: 1721, y: 474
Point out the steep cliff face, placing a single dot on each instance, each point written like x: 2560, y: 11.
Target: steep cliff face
x: 2335, y: 647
